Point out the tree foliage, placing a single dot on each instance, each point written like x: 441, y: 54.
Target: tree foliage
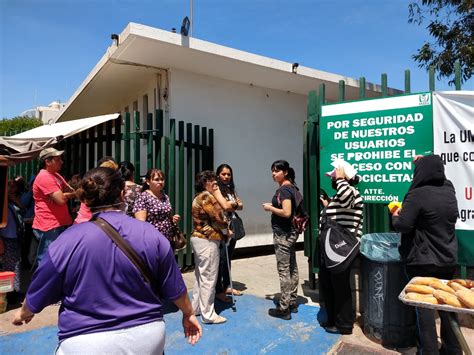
x: 18, y: 124
x: 451, y: 24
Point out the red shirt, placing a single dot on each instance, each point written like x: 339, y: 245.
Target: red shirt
x: 48, y: 214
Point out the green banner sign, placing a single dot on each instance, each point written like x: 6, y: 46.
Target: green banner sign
x: 380, y: 138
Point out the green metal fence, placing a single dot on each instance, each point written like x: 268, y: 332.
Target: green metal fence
x: 376, y: 218
x: 181, y: 152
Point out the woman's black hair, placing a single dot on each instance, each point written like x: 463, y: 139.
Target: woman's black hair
x: 126, y: 170
x: 150, y: 174
x: 100, y: 187
x: 202, y: 178
x: 225, y: 188
x: 283, y: 165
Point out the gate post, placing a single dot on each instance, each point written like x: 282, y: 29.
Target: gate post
x: 311, y: 185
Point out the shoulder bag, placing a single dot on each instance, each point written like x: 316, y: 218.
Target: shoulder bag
x: 338, y: 245
x: 129, y: 252
x: 236, y: 225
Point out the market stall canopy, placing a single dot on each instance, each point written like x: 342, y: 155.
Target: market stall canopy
x: 27, y: 145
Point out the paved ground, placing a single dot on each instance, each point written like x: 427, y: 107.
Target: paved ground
x: 251, y: 330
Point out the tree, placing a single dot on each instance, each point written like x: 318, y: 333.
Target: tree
x: 452, y: 27
x: 18, y: 124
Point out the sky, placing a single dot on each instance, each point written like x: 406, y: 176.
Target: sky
x: 48, y: 47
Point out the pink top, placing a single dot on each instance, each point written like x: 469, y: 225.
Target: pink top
x: 48, y: 214
x: 84, y: 214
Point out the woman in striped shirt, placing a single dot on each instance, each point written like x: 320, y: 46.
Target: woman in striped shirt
x: 346, y: 209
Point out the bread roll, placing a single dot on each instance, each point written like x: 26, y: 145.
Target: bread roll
x: 418, y: 297
x: 419, y: 289
x: 424, y: 280
x: 466, y: 296
x: 456, y: 287
x: 465, y: 283
x: 438, y: 285
x: 447, y: 298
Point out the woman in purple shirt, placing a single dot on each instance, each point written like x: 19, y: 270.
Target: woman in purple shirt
x: 106, y: 306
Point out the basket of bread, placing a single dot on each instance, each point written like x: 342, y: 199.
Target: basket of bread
x: 429, y: 292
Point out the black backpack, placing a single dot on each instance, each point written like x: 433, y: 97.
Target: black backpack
x: 338, y: 246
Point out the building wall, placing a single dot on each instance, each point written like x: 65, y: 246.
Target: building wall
x: 253, y: 127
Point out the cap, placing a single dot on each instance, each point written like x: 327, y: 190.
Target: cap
x: 349, y: 170
x: 50, y: 152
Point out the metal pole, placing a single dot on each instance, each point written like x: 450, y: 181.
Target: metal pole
x: 191, y: 18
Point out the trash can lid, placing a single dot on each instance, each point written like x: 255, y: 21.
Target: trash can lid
x: 381, y: 246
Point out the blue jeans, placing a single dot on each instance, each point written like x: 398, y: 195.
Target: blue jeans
x: 44, y: 240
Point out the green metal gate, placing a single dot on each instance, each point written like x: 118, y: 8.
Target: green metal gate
x: 376, y: 218
x: 181, y: 152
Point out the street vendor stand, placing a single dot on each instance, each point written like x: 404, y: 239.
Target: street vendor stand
x: 443, y: 307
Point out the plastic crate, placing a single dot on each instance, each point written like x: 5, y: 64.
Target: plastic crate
x: 6, y: 281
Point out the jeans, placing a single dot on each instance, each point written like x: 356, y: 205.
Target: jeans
x: 287, y: 268
x: 44, y: 240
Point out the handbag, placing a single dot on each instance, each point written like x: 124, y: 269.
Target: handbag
x: 129, y: 252
x: 338, y: 246
x: 236, y: 225
x: 177, y: 239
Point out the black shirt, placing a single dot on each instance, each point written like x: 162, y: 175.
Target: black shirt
x: 282, y: 224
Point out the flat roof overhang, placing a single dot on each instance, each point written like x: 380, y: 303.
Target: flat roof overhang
x: 143, y: 51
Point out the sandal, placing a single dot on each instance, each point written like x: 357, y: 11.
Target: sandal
x: 234, y: 292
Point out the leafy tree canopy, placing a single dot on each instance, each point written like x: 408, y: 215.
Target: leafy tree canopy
x: 451, y: 24
x: 18, y: 124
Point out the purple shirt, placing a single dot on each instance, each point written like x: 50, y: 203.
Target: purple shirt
x: 99, y: 287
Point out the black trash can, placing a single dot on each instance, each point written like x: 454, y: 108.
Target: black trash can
x: 386, y: 319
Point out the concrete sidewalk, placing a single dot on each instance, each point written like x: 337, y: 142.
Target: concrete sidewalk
x: 254, y: 331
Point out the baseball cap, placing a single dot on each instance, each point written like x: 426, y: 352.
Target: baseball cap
x: 50, y: 152
x: 349, y: 170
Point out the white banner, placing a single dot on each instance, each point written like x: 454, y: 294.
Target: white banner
x: 453, y: 130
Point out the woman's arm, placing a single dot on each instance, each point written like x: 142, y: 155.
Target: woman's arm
x: 191, y: 326
x: 240, y: 205
x: 226, y: 205
x: 404, y: 219
x: 284, y: 212
x: 214, y: 210
x: 23, y: 315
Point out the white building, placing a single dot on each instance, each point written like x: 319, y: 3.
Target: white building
x: 256, y: 105
x: 48, y: 114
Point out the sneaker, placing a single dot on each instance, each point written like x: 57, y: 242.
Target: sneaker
x: 218, y: 320
x: 294, y: 307
x: 280, y: 313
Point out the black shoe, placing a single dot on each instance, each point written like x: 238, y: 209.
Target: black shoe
x: 280, y: 313
x: 294, y: 307
x: 335, y: 330
x: 326, y: 324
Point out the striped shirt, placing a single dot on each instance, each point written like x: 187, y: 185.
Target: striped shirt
x: 346, y: 207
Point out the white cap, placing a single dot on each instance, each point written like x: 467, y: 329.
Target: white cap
x: 349, y: 170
